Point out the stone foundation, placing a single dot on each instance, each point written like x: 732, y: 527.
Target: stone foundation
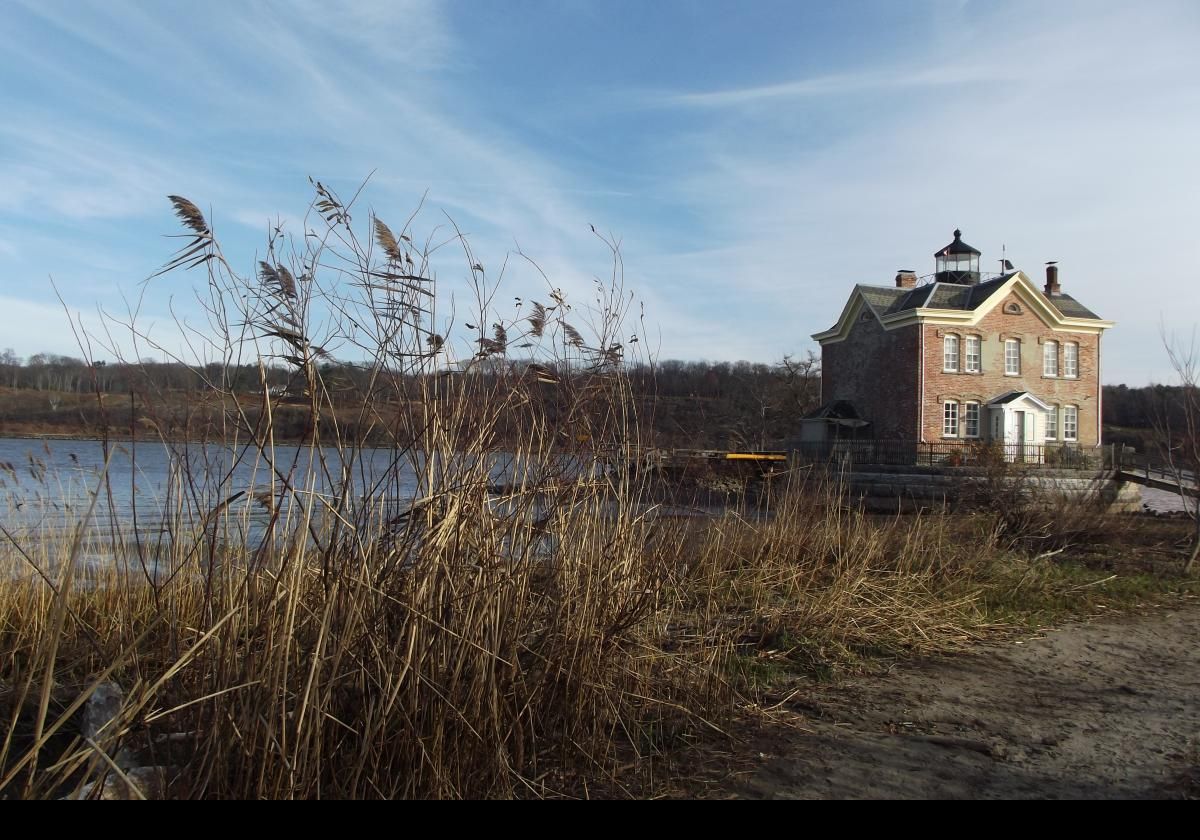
x: 888, y: 489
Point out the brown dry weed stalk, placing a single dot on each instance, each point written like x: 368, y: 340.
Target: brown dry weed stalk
x: 478, y: 617
x: 447, y: 591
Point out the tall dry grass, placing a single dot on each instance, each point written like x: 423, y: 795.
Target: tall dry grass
x: 506, y: 655
x: 438, y: 628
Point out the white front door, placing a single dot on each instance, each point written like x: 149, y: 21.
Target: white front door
x: 1020, y: 434
x: 1011, y: 434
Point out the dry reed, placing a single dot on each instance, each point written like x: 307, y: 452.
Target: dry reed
x: 437, y: 628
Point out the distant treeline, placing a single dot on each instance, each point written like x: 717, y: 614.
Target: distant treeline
x: 1140, y: 416
x: 692, y: 404
x: 697, y: 404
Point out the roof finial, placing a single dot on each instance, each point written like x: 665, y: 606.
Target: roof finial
x: 957, y: 233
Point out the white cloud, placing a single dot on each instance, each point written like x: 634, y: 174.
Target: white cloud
x: 843, y: 84
x: 1074, y: 155
x: 1027, y: 125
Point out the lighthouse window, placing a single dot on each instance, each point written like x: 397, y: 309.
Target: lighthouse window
x: 973, y: 355
x: 1071, y: 360
x: 1012, y: 357
x: 950, y: 354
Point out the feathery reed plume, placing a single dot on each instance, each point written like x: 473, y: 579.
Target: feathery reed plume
x: 488, y: 347
x: 201, y: 248
x: 287, y: 283
x: 387, y: 241
x: 277, y: 278
x: 573, y: 337
x: 190, y: 215
x: 537, y: 320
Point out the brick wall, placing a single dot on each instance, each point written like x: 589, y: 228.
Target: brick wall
x: 877, y: 371
x: 997, y: 326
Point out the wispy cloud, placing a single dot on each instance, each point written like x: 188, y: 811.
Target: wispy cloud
x: 1043, y: 145
x: 844, y: 84
x: 750, y: 191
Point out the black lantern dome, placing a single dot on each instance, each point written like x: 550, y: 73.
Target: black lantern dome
x: 957, y: 263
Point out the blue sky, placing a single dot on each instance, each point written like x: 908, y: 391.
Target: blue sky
x: 755, y: 159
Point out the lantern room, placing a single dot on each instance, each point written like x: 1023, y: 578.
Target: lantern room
x: 957, y: 263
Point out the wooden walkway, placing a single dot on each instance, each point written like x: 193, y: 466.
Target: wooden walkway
x: 1160, y: 478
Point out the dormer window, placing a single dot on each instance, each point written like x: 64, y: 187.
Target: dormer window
x: 950, y: 354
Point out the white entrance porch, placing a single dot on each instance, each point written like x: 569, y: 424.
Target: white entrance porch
x: 1017, y: 420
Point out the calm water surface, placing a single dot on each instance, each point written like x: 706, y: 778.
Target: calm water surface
x: 46, y: 486
x: 49, y: 484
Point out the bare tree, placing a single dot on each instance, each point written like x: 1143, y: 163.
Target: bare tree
x: 1177, y: 423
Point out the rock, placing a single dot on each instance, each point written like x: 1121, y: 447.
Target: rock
x: 103, y: 706
x: 151, y: 783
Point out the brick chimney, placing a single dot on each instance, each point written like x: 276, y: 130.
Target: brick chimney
x: 906, y: 278
x: 1052, y: 287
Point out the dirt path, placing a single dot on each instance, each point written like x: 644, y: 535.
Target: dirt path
x: 1103, y: 710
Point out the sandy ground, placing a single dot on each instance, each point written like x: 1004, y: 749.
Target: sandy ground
x: 1102, y: 710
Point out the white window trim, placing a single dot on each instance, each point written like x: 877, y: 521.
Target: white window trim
x: 1049, y: 357
x: 966, y: 419
x: 1017, y: 343
x: 978, y: 360
x: 1052, y: 431
x: 1073, y: 412
x: 1067, y: 373
x: 947, y: 413
x: 948, y: 356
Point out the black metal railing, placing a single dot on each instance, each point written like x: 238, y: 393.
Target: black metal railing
x: 951, y: 453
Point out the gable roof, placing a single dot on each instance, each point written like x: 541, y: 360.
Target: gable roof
x: 1013, y: 396
x: 953, y: 303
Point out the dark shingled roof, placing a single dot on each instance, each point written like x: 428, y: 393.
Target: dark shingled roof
x: 881, y: 298
x: 835, y: 410
x: 957, y: 247
x: 1070, y: 307
x: 1004, y: 399
x: 888, y: 300
x: 949, y: 296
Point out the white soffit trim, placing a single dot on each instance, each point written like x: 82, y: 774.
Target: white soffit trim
x: 850, y: 312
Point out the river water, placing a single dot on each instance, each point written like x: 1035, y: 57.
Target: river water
x: 49, y: 485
